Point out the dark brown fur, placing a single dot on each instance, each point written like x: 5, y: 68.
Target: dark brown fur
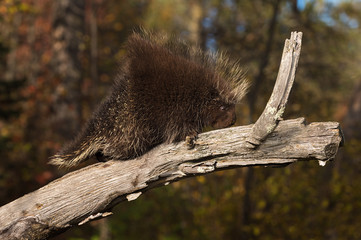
x: 164, y: 92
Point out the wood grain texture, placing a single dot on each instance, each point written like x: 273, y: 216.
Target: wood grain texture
x: 276, y: 105
x: 90, y: 192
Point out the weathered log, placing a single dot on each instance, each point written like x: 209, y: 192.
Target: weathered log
x: 91, y: 192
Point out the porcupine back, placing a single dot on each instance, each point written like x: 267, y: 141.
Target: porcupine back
x: 164, y: 91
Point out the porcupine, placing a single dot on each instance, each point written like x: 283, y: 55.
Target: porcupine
x: 164, y: 91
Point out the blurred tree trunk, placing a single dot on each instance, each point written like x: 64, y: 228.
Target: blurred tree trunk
x: 93, y: 41
x: 265, y: 56
x: 68, y: 31
x: 252, y: 96
x: 294, y: 7
x: 195, y: 27
x: 352, y: 121
x: 10, y: 73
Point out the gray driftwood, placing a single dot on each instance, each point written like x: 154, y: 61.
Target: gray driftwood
x: 91, y: 192
x: 276, y: 105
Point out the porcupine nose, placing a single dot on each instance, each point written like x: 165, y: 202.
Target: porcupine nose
x: 233, y: 119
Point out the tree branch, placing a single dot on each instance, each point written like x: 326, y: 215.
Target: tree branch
x: 276, y: 105
x: 91, y: 192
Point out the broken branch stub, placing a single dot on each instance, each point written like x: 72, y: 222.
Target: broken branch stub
x: 276, y: 105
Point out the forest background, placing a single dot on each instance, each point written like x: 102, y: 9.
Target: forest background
x: 58, y: 59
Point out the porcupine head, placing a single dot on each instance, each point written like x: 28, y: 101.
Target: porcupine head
x: 164, y: 91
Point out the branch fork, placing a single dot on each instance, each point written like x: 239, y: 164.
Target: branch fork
x: 276, y: 105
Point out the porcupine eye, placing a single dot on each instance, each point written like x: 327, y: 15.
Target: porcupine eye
x: 224, y: 115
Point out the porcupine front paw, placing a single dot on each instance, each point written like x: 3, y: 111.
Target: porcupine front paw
x: 190, y: 140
